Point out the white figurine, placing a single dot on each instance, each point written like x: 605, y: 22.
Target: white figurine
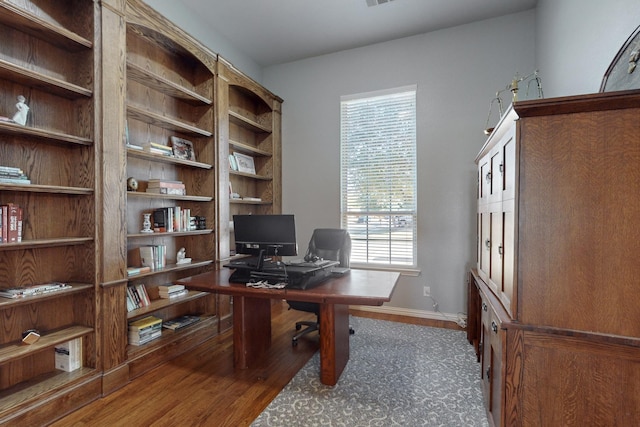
x: 23, y: 109
x: 181, y: 257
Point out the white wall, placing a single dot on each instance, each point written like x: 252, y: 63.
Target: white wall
x: 576, y: 40
x: 202, y: 31
x: 457, y: 71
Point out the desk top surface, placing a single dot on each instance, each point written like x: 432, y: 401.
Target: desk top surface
x: 360, y: 287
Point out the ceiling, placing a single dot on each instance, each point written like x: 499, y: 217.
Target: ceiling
x: 278, y: 31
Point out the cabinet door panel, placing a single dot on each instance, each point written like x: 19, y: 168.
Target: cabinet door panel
x: 497, y: 246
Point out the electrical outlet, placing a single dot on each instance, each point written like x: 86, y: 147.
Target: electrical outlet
x: 427, y: 291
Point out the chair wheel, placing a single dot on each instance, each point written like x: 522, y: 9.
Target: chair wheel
x: 294, y: 342
x: 298, y: 327
x: 351, y: 331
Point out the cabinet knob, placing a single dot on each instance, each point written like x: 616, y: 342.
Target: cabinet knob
x: 484, y: 306
x: 488, y: 177
x: 494, y: 327
x: 487, y: 243
x: 500, y: 250
x: 501, y: 169
x: 488, y: 373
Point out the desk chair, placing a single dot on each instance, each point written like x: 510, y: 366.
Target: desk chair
x: 330, y: 244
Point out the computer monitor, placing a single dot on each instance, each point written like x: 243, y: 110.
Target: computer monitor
x: 265, y: 235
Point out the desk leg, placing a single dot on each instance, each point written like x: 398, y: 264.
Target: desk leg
x: 334, y: 341
x: 251, y: 330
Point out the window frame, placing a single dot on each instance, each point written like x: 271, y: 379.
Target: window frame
x: 390, y: 220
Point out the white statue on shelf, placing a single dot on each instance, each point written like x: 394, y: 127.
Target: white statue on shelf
x: 23, y: 109
x: 181, y: 257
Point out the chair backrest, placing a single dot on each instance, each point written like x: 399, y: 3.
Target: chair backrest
x: 330, y: 243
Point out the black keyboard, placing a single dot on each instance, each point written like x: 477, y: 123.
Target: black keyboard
x: 311, y: 264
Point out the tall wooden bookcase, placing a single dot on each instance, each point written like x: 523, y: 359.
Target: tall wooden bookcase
x: 48, y: 55
x: 96, y: 76
x: 249, y: 123
x: 169, y: 91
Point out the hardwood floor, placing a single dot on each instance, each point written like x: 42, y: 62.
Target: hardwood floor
x: 201, y: 388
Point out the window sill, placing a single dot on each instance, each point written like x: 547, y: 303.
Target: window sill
x: 404, y: 271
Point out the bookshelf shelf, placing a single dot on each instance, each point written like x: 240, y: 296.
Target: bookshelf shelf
x: 248, y: 123
x: 144, y: 195
x: 250, y: 175
x: 157, y: 119
x: 172, y: 268
x: 75, y: 288
x: 50, y: 189
x: 30, y: 392
x: 248, y: 149
x: 41, y: 81
x: 163, y: 303
x: 170, y: 338
x: 15, y: 351
x: 161, y: 84
x: 169, y: 234
x: 38, y: 27
x: 132, y: 152
x: 43, y: 134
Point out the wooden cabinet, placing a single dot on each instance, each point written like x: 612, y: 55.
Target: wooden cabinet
x: 48, y: 56
x: 566, y: 350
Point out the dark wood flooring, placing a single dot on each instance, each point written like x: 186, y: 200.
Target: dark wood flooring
x: 201, y: 387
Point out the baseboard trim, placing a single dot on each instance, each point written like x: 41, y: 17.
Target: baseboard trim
x: 408, y: 315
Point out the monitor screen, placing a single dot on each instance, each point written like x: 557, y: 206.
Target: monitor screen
x: 266, y: 235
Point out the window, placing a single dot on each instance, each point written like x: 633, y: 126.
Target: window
x: 378, y: 176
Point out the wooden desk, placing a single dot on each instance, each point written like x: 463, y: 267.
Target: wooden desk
x: 252, y: 312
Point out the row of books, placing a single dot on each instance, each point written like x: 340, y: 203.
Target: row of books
x: 11, y: 223
x: 161, y: 186
x: 149, y: 328
x: 173, y: 218
x: 153, y: 256
x: 33, y: 290
x: 13, y: 175
x: 137, y: 297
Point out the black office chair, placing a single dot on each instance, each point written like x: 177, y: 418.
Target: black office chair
x: 329, y: 244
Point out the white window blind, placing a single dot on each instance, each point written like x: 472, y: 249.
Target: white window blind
x: 378, y: 176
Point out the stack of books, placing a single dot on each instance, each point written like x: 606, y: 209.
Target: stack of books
x: 156, y: 148
x: 135, y: 271
x: 10, y: 223
x: 172, y: 291
x: 144, y: 330
x: 163, y: 186
x: 12, y: 175
x: 28, y: 291
x: 180, y: 322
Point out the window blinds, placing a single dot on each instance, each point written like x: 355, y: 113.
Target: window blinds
x: 378, y: 176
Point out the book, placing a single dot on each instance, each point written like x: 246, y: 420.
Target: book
x: 5, y: 180
x: 26, y: 291
x: 12, y: 233
x: 166, y: 190
x: 161, y: 183
x: 134, y: 271
x: 170, y: 288
x: 144, y: 323
x: 147, y: 258
x: 174, y: 294
x: 154, y: 147
x: 180, y: 322
x: 68, y: 355
x: 142, y: 293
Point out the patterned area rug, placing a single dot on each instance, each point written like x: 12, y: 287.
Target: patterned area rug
x: 397, y: 375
